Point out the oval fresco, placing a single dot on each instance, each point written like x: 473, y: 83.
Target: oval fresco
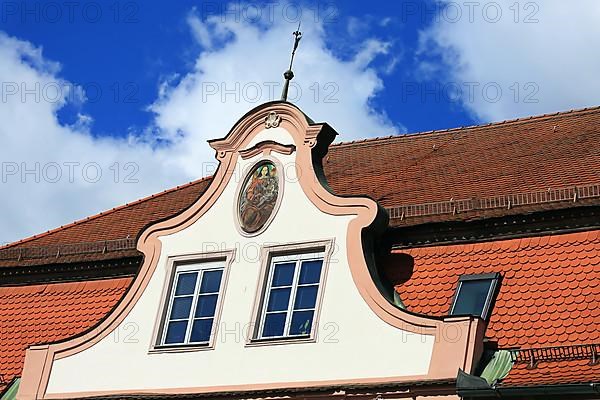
x: 258, y: 197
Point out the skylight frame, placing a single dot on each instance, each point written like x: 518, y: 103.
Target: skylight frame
x: 494, y: 279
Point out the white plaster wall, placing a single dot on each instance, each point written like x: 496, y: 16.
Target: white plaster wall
x: 353, y: 343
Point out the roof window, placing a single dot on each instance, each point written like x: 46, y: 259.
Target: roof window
x: 474, y: 295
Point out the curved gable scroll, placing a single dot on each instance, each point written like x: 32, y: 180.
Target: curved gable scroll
x: 455, y: 342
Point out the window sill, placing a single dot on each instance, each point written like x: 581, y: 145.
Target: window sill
x: 181, y: 348
x: 280, y: 341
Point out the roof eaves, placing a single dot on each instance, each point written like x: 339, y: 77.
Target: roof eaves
x: 295, y: 391
x: 569, y: 389
x: 103, y: 213
x: 471, y: 386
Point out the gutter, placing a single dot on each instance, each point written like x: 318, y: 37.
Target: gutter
x: 470, y: 386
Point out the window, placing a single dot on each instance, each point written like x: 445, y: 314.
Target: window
x: 291, y: 296
x: 474, y: 295
x: 192, y: 304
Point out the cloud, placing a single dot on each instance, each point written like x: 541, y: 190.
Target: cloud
x: 506, y: 59
x: 200, y: 31
x: 52, y: 173
x: 246, y: 70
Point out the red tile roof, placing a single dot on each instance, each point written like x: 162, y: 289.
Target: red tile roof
x: 476, y: 166
x: 553, y: 373
x: 535, y: 153
x: 48, y: 313
x: 550, y: 286
x: 549, y: 293
x: 117, y: 224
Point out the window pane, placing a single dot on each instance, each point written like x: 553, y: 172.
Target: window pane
x: 301, y: 322
x: 279, y: 299
x: 206, y: 305
x: 186, y: 283
x: 181, y: 307
x: 306, y: 297
x: 176, y: 332
x: 283, y: 274
x: 471, y: 297
x: 211, y: 281
x: 310, y: 272
x: 201, y: 330
x: 274, y: 324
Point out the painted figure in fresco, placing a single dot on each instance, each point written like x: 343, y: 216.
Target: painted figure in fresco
x: 258, y: 197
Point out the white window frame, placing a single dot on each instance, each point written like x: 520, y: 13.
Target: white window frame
x: 190, y: 263
x: 270, y: 255
x: 201, y: 269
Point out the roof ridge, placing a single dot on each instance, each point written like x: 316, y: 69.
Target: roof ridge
x: 440, y: 132
x: 103, y: 213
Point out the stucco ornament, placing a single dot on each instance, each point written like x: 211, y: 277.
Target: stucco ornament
x: 272, y: 120
x: 258, y: 196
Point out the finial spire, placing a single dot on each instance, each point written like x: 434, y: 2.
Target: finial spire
x: 289, y: 75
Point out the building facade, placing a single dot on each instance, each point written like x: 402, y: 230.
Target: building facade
x: 453, y: 264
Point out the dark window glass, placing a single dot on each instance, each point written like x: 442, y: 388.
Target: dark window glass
x: 200, y: 289
x: 201, y: 330
x: 211, y: 281
x: 310, y: 272
x: 206, y: 306
x: 274, y: 325
x: 186, y: 283
x: 181, y: 307
x: 283, y: 274
x: 301, y: 322
x: 176, y: 332
x: 472, y: 297
x: 306, y: 297
x: 279, y: 300
x: 290, y: 301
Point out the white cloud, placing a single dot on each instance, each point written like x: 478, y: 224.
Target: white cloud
x: 247, y: 71
x: 237, y: 56
x: 200, y: 31
x: 49, y: 172
x: 543, y: 48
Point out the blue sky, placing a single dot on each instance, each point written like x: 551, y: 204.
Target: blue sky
x: 105, y: 101
x: 120, y: 50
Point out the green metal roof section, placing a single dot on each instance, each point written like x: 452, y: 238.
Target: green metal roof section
x: 11, y: 392
x: 498, y: 367
x: 398, y: 301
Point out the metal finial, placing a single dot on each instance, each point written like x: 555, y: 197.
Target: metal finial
x: 289, y: 75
